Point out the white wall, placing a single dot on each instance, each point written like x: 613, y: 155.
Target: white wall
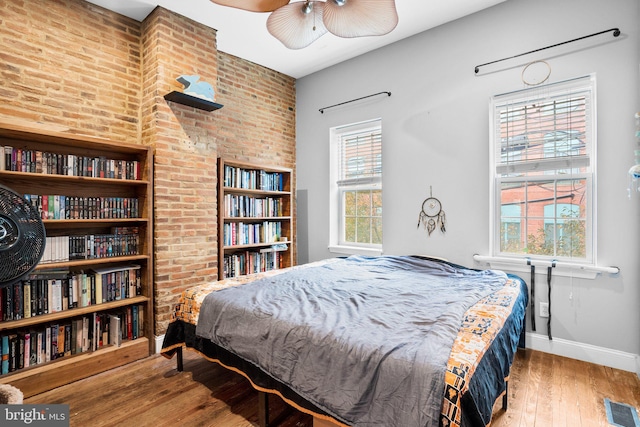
x: 436, y: 133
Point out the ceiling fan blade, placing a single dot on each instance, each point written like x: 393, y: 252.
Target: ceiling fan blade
x: 253, y: 5
x: 298, y: 24
x: 359, y: 18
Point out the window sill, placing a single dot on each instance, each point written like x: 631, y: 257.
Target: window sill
x: 354, y: 250
x: 566, y: 269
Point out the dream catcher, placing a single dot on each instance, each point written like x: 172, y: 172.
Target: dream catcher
x: 432, y: 215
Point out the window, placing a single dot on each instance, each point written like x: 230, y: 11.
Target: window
x: 356, y: 179
x: 543, y: 163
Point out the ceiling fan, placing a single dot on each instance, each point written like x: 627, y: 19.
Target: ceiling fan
x: 296, y: 25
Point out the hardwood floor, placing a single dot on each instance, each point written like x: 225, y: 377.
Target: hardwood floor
x: 544, y: 391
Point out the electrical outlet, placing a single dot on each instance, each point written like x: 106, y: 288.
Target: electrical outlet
x: 544, y: 309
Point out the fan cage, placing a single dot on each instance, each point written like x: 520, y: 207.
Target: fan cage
x: 22, y: 237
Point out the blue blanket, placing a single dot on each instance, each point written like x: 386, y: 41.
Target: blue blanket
x: 366, y: 339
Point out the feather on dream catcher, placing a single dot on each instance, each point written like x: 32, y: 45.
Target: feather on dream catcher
x: 432, y: 215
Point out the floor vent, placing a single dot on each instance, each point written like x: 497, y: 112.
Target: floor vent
x: 621, y: 415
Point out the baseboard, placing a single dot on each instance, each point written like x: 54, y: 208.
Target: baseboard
x: 158, y: 343
x: 586, y: 352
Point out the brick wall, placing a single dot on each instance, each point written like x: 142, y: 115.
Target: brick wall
x: 185, y: 167
x: 257, y: 123
x: 70, y: 65
x: 82, y: 68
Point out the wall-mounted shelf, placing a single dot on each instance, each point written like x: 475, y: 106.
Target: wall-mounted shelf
x: 192, y: 101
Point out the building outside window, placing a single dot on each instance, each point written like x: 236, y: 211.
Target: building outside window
x: 356, y: 182
x: 543, y: 164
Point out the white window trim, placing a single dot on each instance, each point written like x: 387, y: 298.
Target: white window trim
x: 514, y: 262
x: 335, y: 224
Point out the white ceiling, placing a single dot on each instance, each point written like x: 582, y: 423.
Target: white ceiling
x: 244, y: 34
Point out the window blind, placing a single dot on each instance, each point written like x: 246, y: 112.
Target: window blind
x: 360, y: 158
x: 544, y: 133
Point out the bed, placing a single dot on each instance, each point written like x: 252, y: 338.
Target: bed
x: 398, y: 341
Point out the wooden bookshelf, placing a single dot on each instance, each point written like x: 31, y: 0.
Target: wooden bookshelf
x: 135, y: 184
x: 254, y: 217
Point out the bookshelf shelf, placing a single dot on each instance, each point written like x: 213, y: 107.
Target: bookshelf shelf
x: 40, y: 378
x: 26, y: 176
x: 257, y: 218
x: 254, y: 214
x: 90, y: 262
x: 113, y: 183
x: 73, y: 312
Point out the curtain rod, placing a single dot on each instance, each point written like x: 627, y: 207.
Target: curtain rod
x: 353, y: 100
x: 616, y: 33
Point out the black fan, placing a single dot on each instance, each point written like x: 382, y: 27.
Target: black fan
x: 22, y: 237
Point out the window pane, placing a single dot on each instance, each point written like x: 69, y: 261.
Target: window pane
x: 364, y: 230
x: 363, y: 216
x: 510, y: 236
x: 361, y: 155
x: 544, y: 134
x: 538, y: 194
x: 510, y: 227
x: 376, y: 200
x: 571, y: 238
x: 350, y: 203
x: 376, y: 231
x: 350, y: 229
x: 364, y: 203
x: 554, y: 224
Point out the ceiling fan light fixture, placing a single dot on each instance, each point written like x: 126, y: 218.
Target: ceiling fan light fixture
x: 297, y: 24
x: 253, y: 5
x: 307, y: 8
x: 360, y: 18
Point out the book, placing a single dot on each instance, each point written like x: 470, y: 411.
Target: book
x: 115, y: 331
x: 41, y: 348
x: 7, y: 157
x: 26, y: 296
x: 77, y: 334
x: 54, y: 342
x: 13, y: 352
x: 55, y: 302
x: 4, y: 367
x: 134, y: 321
x: 85, y: 334
x: 129, y: 322
x: 61, y: 340
x: 104, y: 324
x: 33, y: 356
x: 48, y: 343
x: 20, y: 351
x: 68, y: 339
x: 27, y: 350
x: 18, y: 301
x: 141, y: 321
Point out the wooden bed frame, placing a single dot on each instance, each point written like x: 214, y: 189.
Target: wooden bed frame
x: 263, y: 398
